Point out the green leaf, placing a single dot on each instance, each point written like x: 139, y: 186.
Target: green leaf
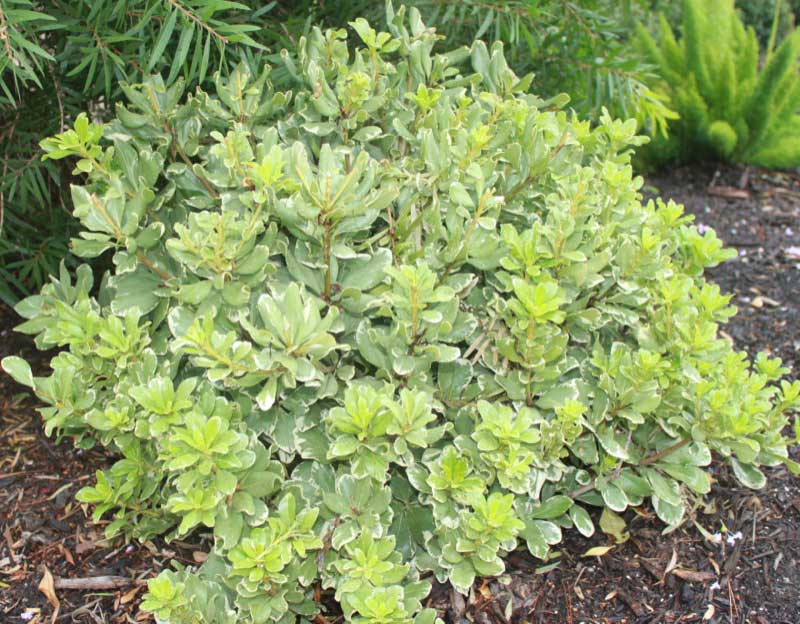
x: 611, y: 443
x: 698, y: 480
x: 19, y: 370
x: 580, y: 518
x: 613, y: 497
x: 666, y: 489
x: 534, y: 540
x: 135, y: 290
x: 165, y: 32
x: 668, y: 513
x: 553, y: 507
x: 228, y: 528
x: 747, y: 474
x: 462, y: 576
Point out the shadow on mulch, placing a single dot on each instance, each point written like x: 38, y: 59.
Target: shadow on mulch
x: 752, y: 576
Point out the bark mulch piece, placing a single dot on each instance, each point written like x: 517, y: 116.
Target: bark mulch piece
x: 737, y: 560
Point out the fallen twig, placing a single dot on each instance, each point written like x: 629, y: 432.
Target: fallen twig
x: 96, y: 583
x: 728, y: 192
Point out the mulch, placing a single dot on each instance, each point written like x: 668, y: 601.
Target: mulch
x: 748, y: 573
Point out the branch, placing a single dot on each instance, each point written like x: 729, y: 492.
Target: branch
x: 650, y: 459
x: 197, y: 20
x: 656, y: 456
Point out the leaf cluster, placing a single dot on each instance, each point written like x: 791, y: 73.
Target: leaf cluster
x: 579, y: 48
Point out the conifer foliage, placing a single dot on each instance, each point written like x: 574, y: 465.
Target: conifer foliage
x: 384, y: 327
x: 732, y: 106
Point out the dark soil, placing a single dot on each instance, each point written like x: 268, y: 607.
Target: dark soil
x: 753, y: 576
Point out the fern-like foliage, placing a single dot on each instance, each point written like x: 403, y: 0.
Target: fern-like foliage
x: 732, y: 105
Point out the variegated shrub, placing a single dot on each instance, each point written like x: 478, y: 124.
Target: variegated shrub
x: 387, y: 327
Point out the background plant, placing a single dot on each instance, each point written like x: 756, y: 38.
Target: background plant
x: 761, y: 15
x: 396, y: 322
x: 731, y: 106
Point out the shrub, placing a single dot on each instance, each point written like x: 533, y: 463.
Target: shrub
x: 729, y: 108
x: 394, y: 323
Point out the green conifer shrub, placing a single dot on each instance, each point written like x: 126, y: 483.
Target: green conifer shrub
x: 383, y: 328
x: 732, y: 106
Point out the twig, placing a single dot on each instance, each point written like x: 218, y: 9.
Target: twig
x: 197, y: 20
x: 57, y: 89
x: 96, y: 583
x: 2, y: 199
x: 656, y: 456
x: 650, y: 459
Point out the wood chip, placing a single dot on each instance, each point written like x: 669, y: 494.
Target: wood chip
x: 693, y: 576
x: 729, y: 192
x: 87, y: 546
x: 760, y: 301
x: 672, y: 565
x: 66, y: 553
x: 632, y: 603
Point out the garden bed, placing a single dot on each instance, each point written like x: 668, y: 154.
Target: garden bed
x: 751, y: 576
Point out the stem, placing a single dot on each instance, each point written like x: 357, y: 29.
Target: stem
x: 326, y: 258
x: 470, y: 228
x: 197, y: 20
x: 203, y: 180
x: 150, y: 265
x: 4, y: 36
x: 650, y: 459
x: 121, y: 239
x: 656, y: 456
x: 582, y: 490
x: 174, y: 146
